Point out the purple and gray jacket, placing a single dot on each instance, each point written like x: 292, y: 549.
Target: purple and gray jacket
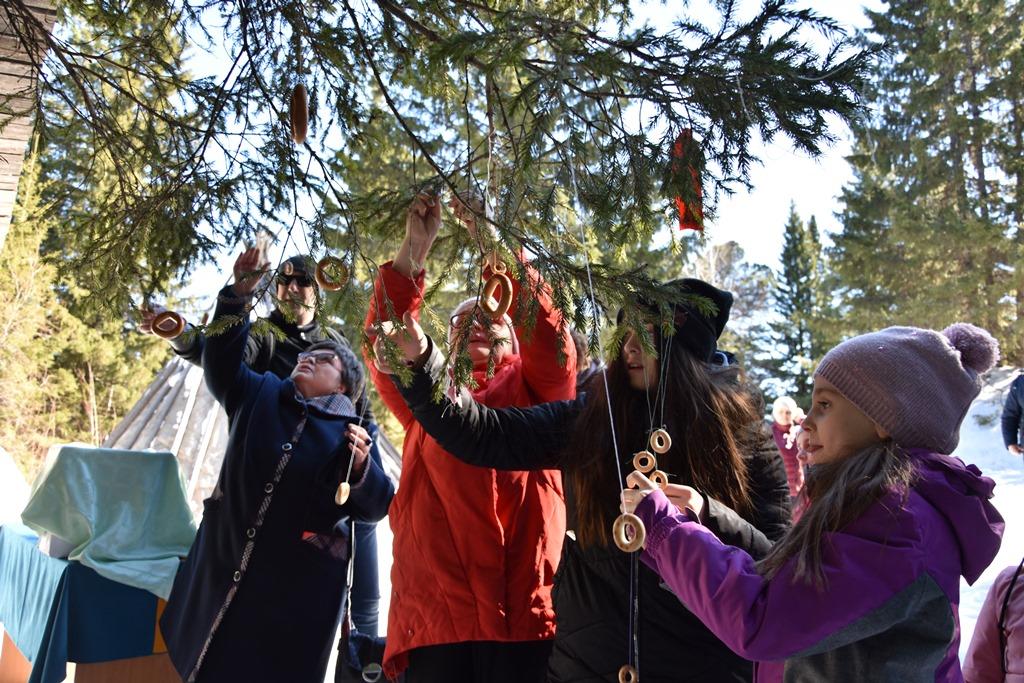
x: 890, y: 608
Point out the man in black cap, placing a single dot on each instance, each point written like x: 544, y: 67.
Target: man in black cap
x: 294, y: 316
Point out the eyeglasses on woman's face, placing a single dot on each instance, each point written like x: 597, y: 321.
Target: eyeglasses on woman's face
x: 475, y: 315
x: 318, y: 357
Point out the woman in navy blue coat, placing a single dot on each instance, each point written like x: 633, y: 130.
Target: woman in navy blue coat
x: 260, y: 595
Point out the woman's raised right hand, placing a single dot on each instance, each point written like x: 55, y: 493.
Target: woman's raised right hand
x: 410, y: 339
x: 248, y: 269
x: 422, y: 223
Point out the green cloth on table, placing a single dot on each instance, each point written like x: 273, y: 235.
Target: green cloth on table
x: 125, y: 512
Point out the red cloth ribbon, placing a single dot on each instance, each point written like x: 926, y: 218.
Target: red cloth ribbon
x: 684, y: 155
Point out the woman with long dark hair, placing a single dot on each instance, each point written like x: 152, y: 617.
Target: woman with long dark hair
x: 718, y: 451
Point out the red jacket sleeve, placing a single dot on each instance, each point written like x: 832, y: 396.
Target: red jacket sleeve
x: 393, y: 295
x: 546, y: 378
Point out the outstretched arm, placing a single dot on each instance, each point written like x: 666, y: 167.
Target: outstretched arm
x: 398, y: 289
x: 872, y: 577
x: 224, y: 354
x: 505, y: 439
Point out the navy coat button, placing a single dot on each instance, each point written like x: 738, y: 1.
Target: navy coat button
x: 237, y: 577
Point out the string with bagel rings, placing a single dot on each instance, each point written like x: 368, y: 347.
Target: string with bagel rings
x: 628, y: 530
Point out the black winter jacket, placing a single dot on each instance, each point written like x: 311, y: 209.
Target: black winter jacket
x: 591, y: 591
x: 1013, y: 413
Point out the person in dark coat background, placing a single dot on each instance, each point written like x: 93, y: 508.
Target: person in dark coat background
x: 720, y: 447
x: 294, y: 317
x: 1013, y: 417
x: 260, y: 594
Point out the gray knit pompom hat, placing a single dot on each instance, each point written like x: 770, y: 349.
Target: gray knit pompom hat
x: 916, y: 384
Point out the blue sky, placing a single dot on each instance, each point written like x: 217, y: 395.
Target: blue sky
x: 756, y: 218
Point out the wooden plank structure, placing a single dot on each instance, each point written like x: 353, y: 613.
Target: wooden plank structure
x: 19, y: 65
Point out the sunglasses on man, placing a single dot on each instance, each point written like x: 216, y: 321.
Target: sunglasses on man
x: 300, y: 280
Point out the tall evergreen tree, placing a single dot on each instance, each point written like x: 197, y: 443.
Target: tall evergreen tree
x: 929, y: 219
x: 68, y: 376
x: 555, y: 111
x: 797, y: 302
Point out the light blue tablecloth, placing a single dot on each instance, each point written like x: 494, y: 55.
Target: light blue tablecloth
x: 125, y: 512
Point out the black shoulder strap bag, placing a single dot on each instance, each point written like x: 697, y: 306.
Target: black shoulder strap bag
x: 360, y: 656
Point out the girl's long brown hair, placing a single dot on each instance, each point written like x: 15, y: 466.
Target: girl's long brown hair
x: 711, y: 415
x: 836, y: 494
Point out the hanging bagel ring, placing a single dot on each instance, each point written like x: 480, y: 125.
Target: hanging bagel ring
x: 628, y: 674
x: 489, y: 304
x: 620, y: 532
x: 331, y: 273
x: 644, y: 462
x: 661, y: 442
x: 659, y: 478
x: 495, y: 263
x: 168, y: 325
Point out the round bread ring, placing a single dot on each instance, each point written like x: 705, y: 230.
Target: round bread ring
x: 661, y: 442
x: 299, y: 114
x: 321, y: 277
x: 161, y: 328
x: 626, y: 544
x: 628, y: 674
x: 659, y: 478
x: 501, y: 306
x: 644, y: 462
x: 495, y: 263
x: 342, y: 494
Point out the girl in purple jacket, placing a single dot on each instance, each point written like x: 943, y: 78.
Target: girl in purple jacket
x: 865, y: 587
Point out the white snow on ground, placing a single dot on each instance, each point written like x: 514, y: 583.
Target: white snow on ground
x: 981, y: 443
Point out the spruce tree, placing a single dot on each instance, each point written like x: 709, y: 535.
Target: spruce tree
x: 555, y: 110
x: 70, y: 375
x: 929, y: 219
x: 797, y: 301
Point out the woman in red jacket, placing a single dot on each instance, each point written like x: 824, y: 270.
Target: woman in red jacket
x: 475, y: 550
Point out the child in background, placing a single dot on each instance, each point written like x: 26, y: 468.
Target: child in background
x: 866, y: 586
